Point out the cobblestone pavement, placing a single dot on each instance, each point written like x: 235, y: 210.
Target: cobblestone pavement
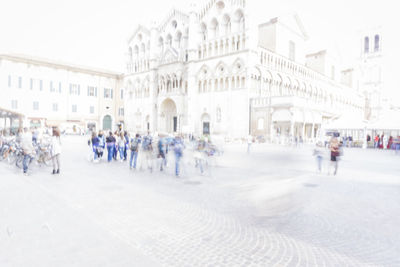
x: 269, y: 208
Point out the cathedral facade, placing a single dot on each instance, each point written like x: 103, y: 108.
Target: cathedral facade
x: 216, y: 70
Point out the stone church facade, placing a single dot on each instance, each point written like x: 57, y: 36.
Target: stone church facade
x: 216, y: 70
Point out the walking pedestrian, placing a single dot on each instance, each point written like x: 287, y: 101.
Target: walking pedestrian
x: 121, y: 146
x: 126, y: 137
x: 249, y: 142
x: 318, y: 153
x: 134, y: 147
x: 56, y: 151
x: 178, y: 150
x: 110, y: 140
x: 161, y: 152
x: 147, y: 148
x: 28, y: 150
x: 95, y: 146
x: 102, y: 144
x: 335, y: 153
x: 199, y: 155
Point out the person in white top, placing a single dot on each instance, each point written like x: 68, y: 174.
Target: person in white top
x: 56, y: 151
x: 249, y: 142
x: 27, y: 147
x: 121, y: 145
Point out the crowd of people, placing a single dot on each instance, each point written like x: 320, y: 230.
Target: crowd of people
x: 384, y: 142
x: 152, y: 150
x: 30, y: 142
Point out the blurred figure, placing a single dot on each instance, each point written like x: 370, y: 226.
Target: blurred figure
x: 102, y: 145
x: 384, y: 142
x: 110, y: 140
x: 56, y: 151
x: 161, y: 146
x: 95, y: 146
x: 147, y: 148
x: 249, y: 142
x: 27, y: 147
x: 335, y: 153
x: 126, y: 137
x: 199, y: 154
x: 318, y: 153
x: 35, y: 135
x: 376, y: 141
x: 121, y: 146
x: 178, y: 151
x: 134, y: 147
x: 115, y: 151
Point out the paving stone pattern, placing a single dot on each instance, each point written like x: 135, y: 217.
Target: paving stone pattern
x: 269, y: 208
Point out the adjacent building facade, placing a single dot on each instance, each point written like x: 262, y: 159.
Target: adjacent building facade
x: 49, y: 93
x: 216, y: 70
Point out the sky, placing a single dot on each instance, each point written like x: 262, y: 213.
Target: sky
x: 95, y: 32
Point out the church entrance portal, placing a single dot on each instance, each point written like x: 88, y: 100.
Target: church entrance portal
x: 169, y: 118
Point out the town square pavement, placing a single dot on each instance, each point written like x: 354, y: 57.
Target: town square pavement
x: 266, y: 208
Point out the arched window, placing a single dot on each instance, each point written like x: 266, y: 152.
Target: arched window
x: 214, y: 28
x: 366, y: 44
x: 203, y: 29
x: 161, y: 44
x: 169, y: 40
x: 376, y: 46
x: 227, y: 24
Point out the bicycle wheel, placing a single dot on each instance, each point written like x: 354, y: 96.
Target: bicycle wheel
x: 19, y: 162
x: 12, y: 157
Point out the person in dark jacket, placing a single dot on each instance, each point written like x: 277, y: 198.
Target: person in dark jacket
x: 110, y: 141
x: 95, y: 145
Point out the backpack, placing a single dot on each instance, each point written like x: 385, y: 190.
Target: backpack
x: 134, y: 145
x: 147, y: 143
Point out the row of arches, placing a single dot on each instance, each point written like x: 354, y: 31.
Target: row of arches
x: 282, y: 64
x: 221, y: 84
x: 222, y: 46
x: 279, y: 85
x: 139, y: 88
x: 223, y: 25
x: 171, y: 83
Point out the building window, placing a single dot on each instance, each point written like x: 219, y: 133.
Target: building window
x: 92, y: 91
x: 41, y: 85
x: 366, y: 44
x: 20, y: 82
x: 108, y: 93
x: 121, y: 112
x: 122, y: 93
x: 59, y: 87
x: 52, y: 89
x: 55, y: 107
x: 74, y: 89
x: 292, y: 50
x: 74, y: 108
x: 91, y: 110
x: 35, y: 105
x: 31, y: 84
x: 14, y: 104
x: 376, y: 46
x: 9, y: 81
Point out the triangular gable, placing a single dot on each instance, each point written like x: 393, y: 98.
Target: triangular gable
x: 139, y: 28
x: 170, y: 55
